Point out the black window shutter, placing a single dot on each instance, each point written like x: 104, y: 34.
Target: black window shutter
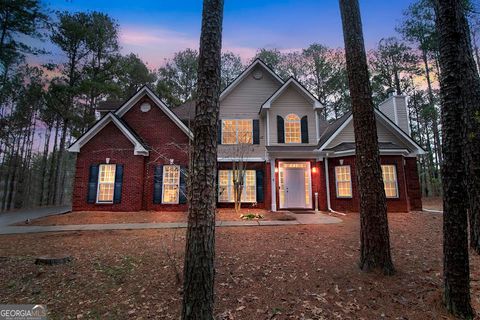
x: 157, y: 184
x: 280, y: 130
x: 92, y: 184
x: 304, y: 125
x: 259, y: 182
x: 219, y: 132
x: 256, y: 131
x: 117, y: 191
x: 182, y: 197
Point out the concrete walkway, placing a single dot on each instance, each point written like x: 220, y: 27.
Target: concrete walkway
x: 11, y: 217
x: 301, y: 219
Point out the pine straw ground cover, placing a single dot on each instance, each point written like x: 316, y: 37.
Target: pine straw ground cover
x: 294, y: 272
x: 102, y: 217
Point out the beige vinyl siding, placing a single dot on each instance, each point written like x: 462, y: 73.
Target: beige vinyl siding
x: 292, y: 101
x: 348, y: 135
x: 244, y: 102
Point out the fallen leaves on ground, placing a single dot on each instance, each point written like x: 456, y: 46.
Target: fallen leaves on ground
x: 290, y: 272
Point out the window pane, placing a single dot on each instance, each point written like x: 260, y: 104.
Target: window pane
x: 226, y: 187
x: 343, y: 180
x: 106, y: 180
x: 245, y: 131
x: 389, y: 173
x: 237, y: 131
x: 105, y: 192
x: 171, y: 180
x: 229, y: 132
x: 292, y: 129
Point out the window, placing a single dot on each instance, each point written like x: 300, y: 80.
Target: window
x: 225, y: 186
x: 171, y: 180
x: 237, y: 131
x: 390, y: 181
x: 292, y: 129
x: 106, y: 181
x: 344, y: 181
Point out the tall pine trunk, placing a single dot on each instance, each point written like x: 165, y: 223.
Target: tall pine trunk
x: 436, y: 133
x: 199, y: 269
x: 472, y: 149
x: 374, y: 233
x: 53, y: 166
x: 459, y: 89
x: 43, y: 172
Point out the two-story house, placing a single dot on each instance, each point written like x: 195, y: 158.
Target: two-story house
x: 294, y: 158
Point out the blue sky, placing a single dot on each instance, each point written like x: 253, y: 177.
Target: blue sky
x: 155, y: 29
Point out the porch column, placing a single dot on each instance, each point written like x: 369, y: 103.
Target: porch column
x: 273, y: 185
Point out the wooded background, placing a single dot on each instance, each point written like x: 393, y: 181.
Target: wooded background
x: 43, y: 108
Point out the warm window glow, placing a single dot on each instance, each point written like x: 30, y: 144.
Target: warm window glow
x: 293, y: 132
x: 106, y: 181
x: 344, y: 181
x: 237, y: 131
x: 390, y: 181
x: 225, y: 186
x: 171, y: 179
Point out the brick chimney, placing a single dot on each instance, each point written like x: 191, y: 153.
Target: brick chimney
x: 395, y: 108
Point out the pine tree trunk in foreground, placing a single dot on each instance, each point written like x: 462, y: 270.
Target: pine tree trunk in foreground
x: 199, y: 270
x: 458, y: 88
x: 374, y: 233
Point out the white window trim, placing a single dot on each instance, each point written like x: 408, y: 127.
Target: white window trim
x: 285, y: 128
x: 397, y: 193
x: 236, y: 132
x: 177, y: 201
x: 336, y: 182
x: 230, y: 181
x: 98, y: 183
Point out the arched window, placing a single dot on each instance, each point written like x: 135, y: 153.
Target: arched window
x: 293, y: 132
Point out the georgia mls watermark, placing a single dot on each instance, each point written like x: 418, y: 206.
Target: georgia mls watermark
x: 23, y: 312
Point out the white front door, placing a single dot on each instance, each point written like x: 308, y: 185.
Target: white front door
x: 295, y: 187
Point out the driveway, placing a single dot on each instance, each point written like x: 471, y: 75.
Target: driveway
x: 11, y: 217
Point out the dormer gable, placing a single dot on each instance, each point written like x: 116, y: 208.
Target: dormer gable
x: 292, y: 83
x: 257, y: 64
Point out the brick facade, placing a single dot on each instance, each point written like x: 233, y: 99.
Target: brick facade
x: 406, y: 201
x: 413, y: 184
x: 166, y: 140
x: 110, y: 143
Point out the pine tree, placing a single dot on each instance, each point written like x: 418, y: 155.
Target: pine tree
x: 459, y: 90
x: 199, y: 270
x: 374, y: 233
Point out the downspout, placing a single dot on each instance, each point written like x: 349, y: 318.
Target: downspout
x: 327, y: 180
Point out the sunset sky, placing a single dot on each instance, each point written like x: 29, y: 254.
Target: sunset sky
x: 156, y: 29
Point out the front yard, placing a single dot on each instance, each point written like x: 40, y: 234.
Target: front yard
x: 294, y: 272
x: 103, y: 217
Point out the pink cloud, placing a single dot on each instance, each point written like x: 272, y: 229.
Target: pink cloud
x: 155, y: 45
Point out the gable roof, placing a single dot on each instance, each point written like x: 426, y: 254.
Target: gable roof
x: 336, y: 127
x: 291, y: 81
x: 145, y: 90
x: 139, y: 147
x: 243, y: 75
x: 333, y: 128
x: 185, y: 111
